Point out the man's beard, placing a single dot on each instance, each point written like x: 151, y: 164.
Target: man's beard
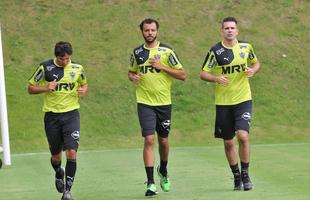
x: 149, y: 41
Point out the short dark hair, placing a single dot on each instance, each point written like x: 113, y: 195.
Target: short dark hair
x: 229, y: 19
x: 149, y: 21
x: 62, y: 48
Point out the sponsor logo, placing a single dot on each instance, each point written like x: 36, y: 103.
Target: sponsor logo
x: 172, y: 60
x: 233, y: 69
x: 83, y: 75
x: 75, y: 67
x: 166, y: 124
x: 137, y: 51
x: 64, y: 86
x: 212, y: 61
x: 251, y: 55
x: 56, y: 75
x: 243, y: 46
x: 147, y: 69
x: 50, y: 67
x: 220, y: 51
x: 161, y: 49
x: 75, y: 135
x: 38, y: 76
x: 246, y: 116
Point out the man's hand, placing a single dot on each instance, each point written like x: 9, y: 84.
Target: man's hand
x: 82, y: 90
x: 222, y: 80
x: 155, y: 62
x: 135, y: 78
x: 52, y: 85
x: 249, y: 72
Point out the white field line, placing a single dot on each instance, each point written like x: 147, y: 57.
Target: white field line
x: 180, y: 148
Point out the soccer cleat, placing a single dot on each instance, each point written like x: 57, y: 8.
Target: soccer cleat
x: 59, y: 180
x: 151, y: 190
x: 247, y: 184
x: 66, y: 195
x: 238, y: 183
x: 164, y: 181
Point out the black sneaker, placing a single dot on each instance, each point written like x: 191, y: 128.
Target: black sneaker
x: 59, y: 180
x: 238, y: 183
x: 151, y: 190
x: 247, y: 184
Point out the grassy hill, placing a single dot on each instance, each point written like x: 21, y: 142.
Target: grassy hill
x: 103, y: 32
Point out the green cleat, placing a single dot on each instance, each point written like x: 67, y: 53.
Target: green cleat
x: 164, y: 181
x: 151, y: 190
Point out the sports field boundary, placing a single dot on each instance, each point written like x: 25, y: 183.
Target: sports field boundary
x: 179, y: 148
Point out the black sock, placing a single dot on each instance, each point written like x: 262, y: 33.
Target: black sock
x: 55, y: 164
x: 70, y: 173
x: 245, y: 168
x: 163, y: 167
x: 235, y: 170
x: 149, y: 174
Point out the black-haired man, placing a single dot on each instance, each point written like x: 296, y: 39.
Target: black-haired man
x: 229, y: 64
x: 62, y: 82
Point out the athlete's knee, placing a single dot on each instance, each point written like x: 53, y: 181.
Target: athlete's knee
x: 243, y: 137
x: 71, y: 154
x: 56, y: 157
x: 149, y: 141
x: 163, y: 141
x: 229, y: 145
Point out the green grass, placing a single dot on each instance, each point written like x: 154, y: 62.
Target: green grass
x: 103, y: 32
x: 279, y: 172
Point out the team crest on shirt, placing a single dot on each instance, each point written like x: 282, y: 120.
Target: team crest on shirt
x: 242, y: 55
x: 157, y: 56
x: 49, y: 68
x: 72, y: 75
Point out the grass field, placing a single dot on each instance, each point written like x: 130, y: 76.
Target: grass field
x: 279, y: 172
x: 103, y: 33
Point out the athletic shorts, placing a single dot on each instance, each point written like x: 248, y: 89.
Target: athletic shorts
x: 231, y: 118
x: 154, y: 118
x: 62, y: 130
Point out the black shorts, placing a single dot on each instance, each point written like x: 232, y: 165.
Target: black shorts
x: 153, y: 118
x: 62, y: 130
x: 231, y: 118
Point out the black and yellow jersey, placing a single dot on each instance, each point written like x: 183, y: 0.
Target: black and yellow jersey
x: 65, y: 97
x: 154, y: 87
x: 231, y: 62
